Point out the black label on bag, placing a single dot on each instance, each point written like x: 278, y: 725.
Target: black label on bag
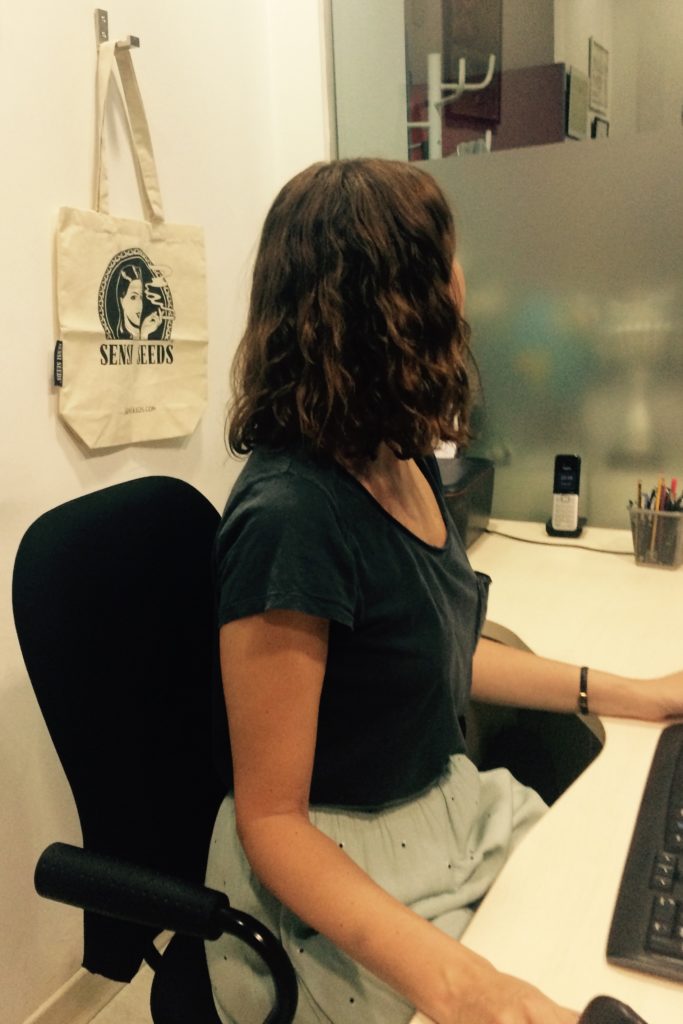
x: 58, y: 373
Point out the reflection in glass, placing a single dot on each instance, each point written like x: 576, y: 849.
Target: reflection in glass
x: 575, y: 296
x: 381, y: 52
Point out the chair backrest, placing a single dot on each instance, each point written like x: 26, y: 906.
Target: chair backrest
x: 113, y: 605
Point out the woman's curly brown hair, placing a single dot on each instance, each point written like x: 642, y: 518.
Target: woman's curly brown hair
x: 353, y: 336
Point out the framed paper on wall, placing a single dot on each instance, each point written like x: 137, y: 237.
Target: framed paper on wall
x: 598, y: 67
x: 577, y: 104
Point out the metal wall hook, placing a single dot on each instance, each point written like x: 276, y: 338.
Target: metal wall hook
x: 102, y: 31
x: 127, y: 43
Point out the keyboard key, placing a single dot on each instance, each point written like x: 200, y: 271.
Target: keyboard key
x: 664, y: 908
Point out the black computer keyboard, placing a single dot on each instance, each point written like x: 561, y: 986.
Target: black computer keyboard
x: 647, y: 926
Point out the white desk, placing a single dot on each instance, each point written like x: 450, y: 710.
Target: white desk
x: 547, y: 917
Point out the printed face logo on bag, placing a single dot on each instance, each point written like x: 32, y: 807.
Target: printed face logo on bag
x: 135, y: 305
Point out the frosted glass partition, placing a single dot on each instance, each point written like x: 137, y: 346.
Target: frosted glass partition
x: 574, y: 259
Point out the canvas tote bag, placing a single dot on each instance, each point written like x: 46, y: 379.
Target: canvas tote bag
x: 131, y: 360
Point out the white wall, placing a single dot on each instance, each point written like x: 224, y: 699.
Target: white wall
x: 644, y: 40
x: 370, y: 77
x: 660, y: 70
x: 235, y: 95
x: 624, y: 71
x: 575, y: 22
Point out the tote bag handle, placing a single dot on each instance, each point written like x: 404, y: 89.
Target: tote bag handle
x: 141, y: 140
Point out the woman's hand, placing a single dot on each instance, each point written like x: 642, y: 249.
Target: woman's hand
x: 150, y: 324
x: 660, y: 698
x: 506, y: 1000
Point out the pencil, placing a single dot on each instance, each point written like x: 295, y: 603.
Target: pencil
x: 653, y: 535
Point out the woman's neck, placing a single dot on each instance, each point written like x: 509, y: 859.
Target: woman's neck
x: 385, y: 469
x: 401, y: 488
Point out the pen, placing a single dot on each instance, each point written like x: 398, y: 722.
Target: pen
x: 661, y: 498
x: 653, y: 536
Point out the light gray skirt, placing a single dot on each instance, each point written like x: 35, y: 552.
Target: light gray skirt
x: 438, y: 854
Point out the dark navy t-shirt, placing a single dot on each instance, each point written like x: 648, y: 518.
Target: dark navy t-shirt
x: 300, y: 533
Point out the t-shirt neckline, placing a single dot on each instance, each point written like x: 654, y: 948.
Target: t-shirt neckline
x: 421, y: 465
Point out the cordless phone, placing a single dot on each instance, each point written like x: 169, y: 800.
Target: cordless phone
x: 566, y: 479
x: 565, y: 521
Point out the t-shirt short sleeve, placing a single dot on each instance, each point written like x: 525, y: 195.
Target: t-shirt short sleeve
x: 282, y: 546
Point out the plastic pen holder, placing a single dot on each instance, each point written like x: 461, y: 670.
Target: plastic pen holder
x: 657, y: 537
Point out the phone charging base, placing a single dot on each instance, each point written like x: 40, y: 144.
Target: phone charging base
x: 552, y: 532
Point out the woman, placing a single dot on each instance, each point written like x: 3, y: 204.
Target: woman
x: 349, y: 625
x: 133, y: 296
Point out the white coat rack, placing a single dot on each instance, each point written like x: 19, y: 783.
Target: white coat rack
x: 436, y: 100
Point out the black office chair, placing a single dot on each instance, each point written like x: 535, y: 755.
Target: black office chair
x: 113, y: 605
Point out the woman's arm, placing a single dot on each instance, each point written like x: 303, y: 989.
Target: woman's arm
x: 273, y: 666
x: 505, y: 675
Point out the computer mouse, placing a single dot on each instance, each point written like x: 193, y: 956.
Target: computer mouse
x: 608, y: 1010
